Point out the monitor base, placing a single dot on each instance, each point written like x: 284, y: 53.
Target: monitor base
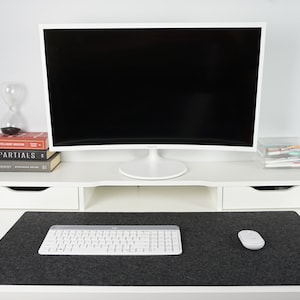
x: 153, y: 167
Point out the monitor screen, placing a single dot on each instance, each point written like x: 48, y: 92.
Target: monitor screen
x: 174, y: 86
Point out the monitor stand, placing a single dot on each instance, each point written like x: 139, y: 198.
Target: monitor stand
x: 153, y: 167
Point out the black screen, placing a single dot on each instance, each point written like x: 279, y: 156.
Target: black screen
x: 152, y: 85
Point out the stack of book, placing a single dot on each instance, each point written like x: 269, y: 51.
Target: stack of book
x: 27, y: 152
x: 279, y: 152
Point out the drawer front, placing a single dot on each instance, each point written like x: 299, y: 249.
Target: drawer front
x: 35, y: 198
x: 256, y: 198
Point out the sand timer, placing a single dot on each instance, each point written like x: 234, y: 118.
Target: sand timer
x: 12, y: 94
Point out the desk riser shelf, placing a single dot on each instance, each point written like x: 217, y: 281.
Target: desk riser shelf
x: 98, y: 186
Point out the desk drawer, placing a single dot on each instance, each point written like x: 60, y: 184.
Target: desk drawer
x: 261, y: 197
x: 39, y: 198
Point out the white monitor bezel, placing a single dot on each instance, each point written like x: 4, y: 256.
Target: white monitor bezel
x: 261, y: 25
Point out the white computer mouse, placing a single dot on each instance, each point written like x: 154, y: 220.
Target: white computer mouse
x: 251, y: 239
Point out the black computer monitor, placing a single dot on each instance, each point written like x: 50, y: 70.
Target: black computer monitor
x: 152, y: 86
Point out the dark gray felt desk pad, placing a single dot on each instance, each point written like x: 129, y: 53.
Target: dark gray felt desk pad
x: 212, y: 254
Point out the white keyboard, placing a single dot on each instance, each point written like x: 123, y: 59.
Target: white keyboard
x: 112, y: 240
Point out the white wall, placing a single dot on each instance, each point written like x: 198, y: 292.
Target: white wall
x: 20, y: 56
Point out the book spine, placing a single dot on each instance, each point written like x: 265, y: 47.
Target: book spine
x: 30, y: 144
x: 284, y: 165
x: 24, y: 166
x: 23, y: 154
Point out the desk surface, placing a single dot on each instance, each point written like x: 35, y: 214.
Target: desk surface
x: 212, y: 254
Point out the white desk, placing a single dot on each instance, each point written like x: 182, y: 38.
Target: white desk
x: 148, y: 292
x: 212, y: 180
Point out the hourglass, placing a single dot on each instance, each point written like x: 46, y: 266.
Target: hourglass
x: 12, y: 94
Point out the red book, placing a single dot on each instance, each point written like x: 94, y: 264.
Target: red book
x: 25, y: 140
